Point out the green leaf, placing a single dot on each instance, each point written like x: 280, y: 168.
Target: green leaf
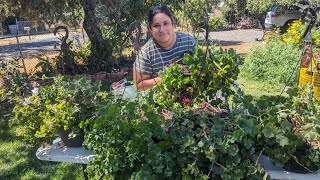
x: 284, y: 141
x: 200, y: 144
x: 268, y: 132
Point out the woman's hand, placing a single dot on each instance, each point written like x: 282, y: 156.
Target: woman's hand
x: 144, y: 81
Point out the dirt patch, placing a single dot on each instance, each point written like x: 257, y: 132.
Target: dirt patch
x: 13, y: 40
x: 242, y: 47
x: 32, y: 62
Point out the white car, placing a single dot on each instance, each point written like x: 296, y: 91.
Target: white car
x: 282, y: 17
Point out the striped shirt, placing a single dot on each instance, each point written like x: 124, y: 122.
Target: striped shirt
x: 152, y: 58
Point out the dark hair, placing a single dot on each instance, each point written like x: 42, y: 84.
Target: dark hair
x: 159, y: 9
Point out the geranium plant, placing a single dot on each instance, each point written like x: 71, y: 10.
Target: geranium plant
x: 199, y: 76
x: 174, y: 131
x: 140, y: 139
x: 288, y: 129
x: 66, y: 104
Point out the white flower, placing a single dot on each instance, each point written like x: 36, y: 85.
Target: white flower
x: 26, y: 101
x: 35, y: 90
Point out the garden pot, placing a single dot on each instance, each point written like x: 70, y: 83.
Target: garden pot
x: 115, y: 76
x: 293, y: 166
x: 102, y: 76
x: 298, y: 167
x: 71, y: 141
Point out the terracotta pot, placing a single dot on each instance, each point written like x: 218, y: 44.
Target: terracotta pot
x: 114, y: 76
x: 99, y: 76
x: 73, y: 141
x: 125, y: 69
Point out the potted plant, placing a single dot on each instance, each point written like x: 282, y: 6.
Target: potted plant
x: 169, y: 132
x: 133, y: 139
x: 199, y: 76
x: 289, y: 131
x: 65, y: 105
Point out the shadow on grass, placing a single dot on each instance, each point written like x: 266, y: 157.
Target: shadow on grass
x: 6, y: 114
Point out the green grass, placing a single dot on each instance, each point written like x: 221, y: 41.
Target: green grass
x: 18, y: 161
x: 256, y: 88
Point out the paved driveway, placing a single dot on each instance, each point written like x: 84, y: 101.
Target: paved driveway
x: 36, y: 45
x: 241, y: 35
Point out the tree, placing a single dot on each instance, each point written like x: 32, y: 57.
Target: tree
x: 259, y: 8
x: 233, y: 10
x: 197, y: 11
x: 6, y: 9
x: 100, y: 48
x: 105, y: 21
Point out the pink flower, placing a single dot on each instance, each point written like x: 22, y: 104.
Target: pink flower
x: 186, y: 101
x: 206, y: 104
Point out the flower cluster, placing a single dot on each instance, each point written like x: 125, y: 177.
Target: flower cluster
x: 294, y: 33
x: 186, y: 101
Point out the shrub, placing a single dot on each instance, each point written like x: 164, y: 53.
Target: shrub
x: 273, y: 63
x: 14, y: 80
x: 64, y: 104
x: 295, y: 33
x: 136, y: 140
x: 199, y: 77
x: 216, y: 22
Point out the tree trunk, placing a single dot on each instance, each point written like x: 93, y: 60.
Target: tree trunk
x: 100, y: 48
x: 261, y: 21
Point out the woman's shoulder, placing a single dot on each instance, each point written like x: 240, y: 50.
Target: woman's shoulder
x: 149, y: 44
x: 183, y: 34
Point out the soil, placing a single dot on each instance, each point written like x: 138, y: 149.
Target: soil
x: 243, y: 47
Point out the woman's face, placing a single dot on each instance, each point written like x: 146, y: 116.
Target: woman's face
x: 162, y: 30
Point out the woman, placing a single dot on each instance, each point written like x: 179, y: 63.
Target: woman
x: 165, y: 47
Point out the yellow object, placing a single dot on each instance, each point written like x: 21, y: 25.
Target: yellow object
x: 309, y: 73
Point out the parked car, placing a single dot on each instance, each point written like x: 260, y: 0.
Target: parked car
x: 282, y: 17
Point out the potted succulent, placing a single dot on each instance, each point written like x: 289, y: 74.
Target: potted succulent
x: 62, y: 107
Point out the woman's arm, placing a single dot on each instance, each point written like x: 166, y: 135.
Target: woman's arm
x: 144, y: 81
